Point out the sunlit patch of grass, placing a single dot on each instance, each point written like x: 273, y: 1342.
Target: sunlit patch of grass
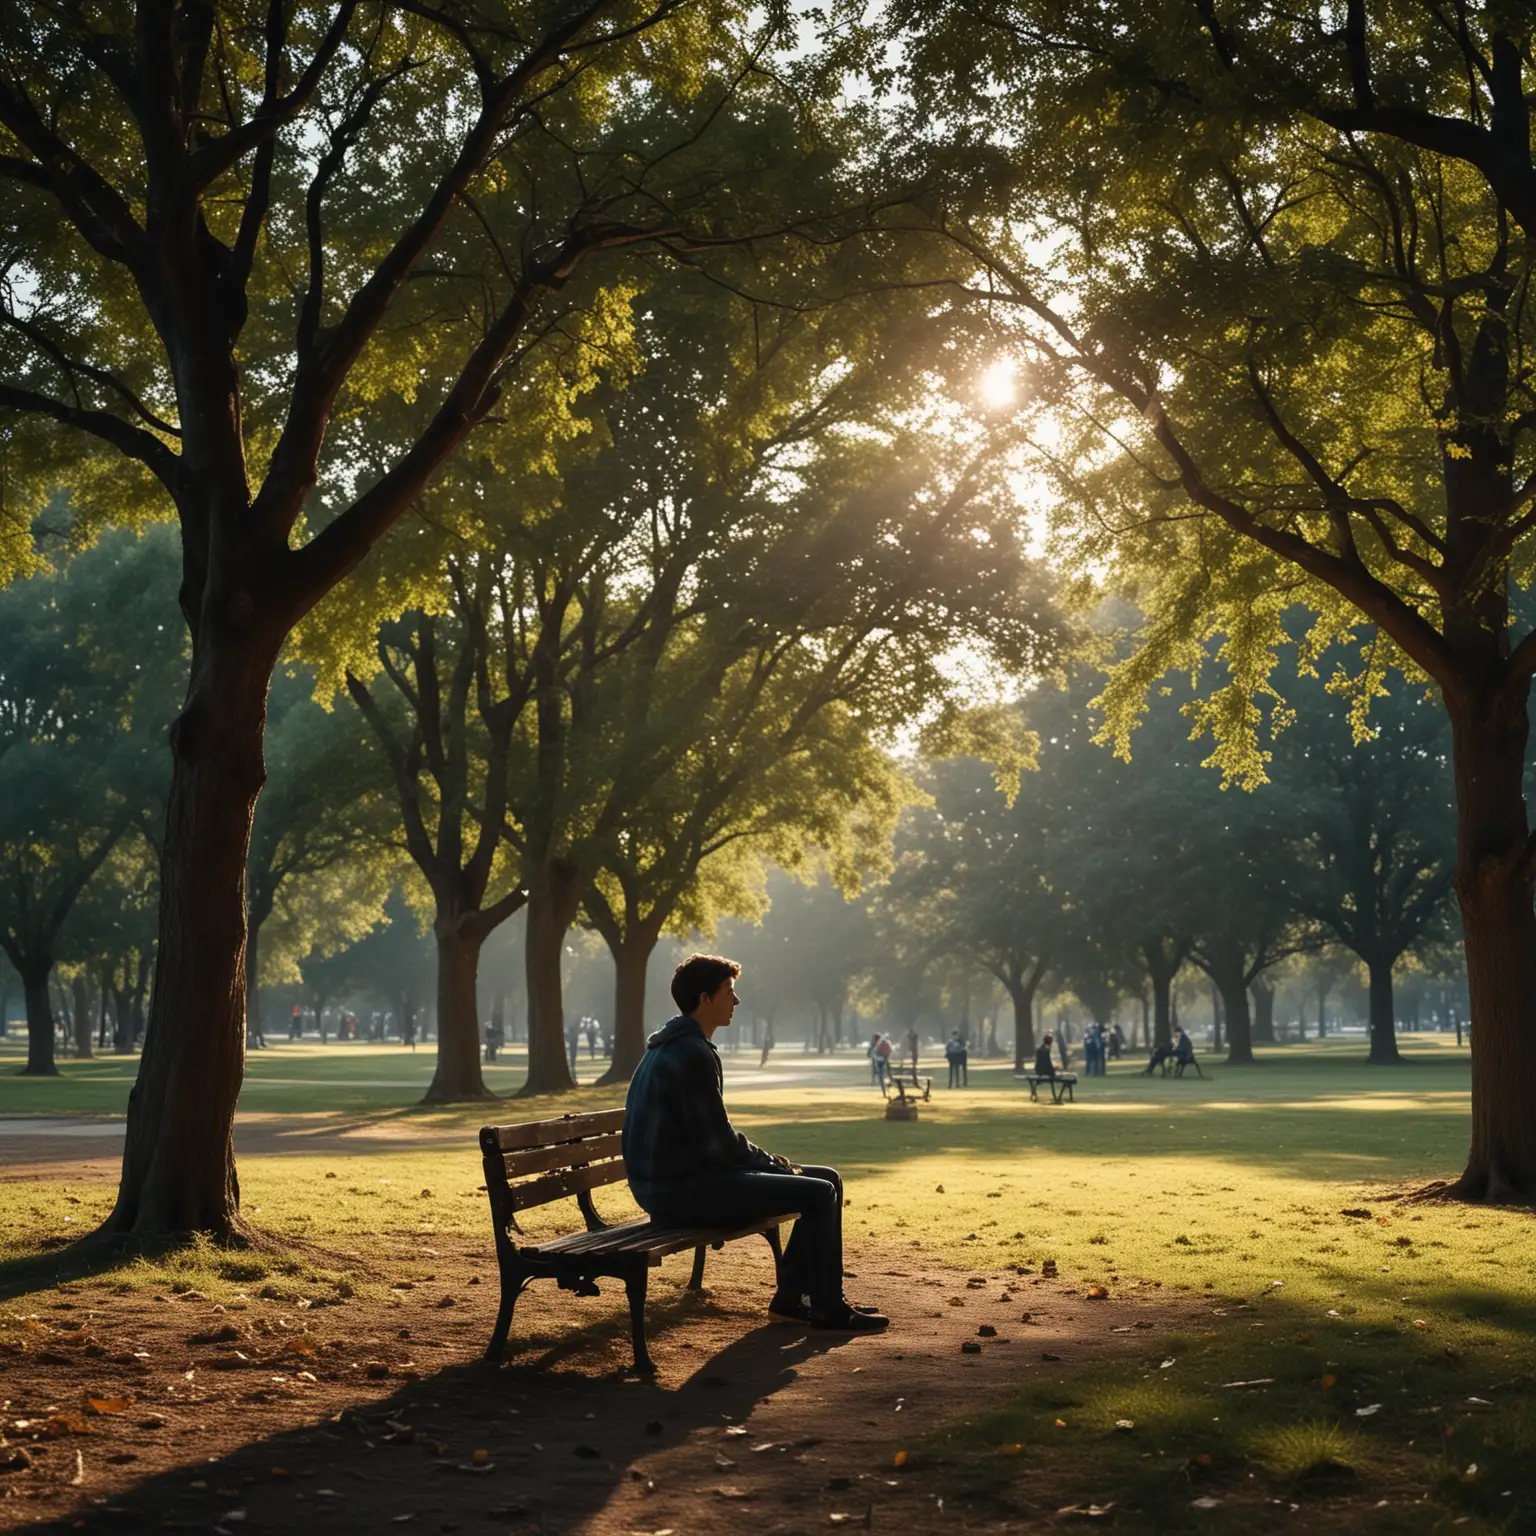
x: 1314, y: 1449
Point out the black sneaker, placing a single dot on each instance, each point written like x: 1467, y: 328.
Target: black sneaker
x: 788, y: 1309
x: 850, y: 1320
x: 793, y: 1309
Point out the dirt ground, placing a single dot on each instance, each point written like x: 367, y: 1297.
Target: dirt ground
x: 130, y: 1412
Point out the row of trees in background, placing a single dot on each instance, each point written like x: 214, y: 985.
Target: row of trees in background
x: 1103, y: 877
x: 1087, y: 874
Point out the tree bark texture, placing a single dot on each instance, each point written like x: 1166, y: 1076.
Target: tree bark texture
x: 554, y: 894
x: 40, y: 1062
x: 1383, y: 1014
x: 457, y: 1078
x: 178, y: 1159
x: 1493, y: 889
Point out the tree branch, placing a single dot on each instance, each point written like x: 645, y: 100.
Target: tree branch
x: 130, y: 440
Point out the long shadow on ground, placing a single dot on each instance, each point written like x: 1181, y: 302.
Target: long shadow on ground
x: 559, y: 1447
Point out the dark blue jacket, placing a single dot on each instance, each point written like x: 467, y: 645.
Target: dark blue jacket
x: 676, y: 1129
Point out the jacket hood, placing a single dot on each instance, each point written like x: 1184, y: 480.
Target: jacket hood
x: 681, y: 1025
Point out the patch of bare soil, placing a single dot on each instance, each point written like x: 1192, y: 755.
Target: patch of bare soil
x: 130, y: 1413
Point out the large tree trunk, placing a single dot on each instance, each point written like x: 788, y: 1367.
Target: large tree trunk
x: 1234, y: 1009
x: 1383, y: 1014
x: 1263, y: 1012
x: 1232, y: 990
x: 554, y: 893
x: 458, y: 1078
x: 82, y: 1022
x: 1022, y: 995
x: 178, y: 1158
x: 40, y: 1062
x: 1161, y: 971
x: 1493, y: 887
x: 631, y: 963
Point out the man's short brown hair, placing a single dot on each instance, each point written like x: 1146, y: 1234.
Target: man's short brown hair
x: 700, y: 976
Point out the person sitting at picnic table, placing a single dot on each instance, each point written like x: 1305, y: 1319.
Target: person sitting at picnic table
x: 1045, y: 1064
x: 688, y: 1166
x: 1161, y: 1052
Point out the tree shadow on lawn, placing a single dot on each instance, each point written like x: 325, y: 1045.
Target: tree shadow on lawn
x: 560, y: 1446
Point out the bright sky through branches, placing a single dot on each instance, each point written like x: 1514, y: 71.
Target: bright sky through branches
x: 996, y: 386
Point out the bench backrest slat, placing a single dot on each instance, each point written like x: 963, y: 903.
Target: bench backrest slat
x: 568, y: 1154
x: 558, y: 1185
x: 543, y: 1133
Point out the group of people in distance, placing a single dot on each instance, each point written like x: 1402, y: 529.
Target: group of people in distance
x: 1099, y: 1043
x: 882, y: 1051
x: 1100, y: 1047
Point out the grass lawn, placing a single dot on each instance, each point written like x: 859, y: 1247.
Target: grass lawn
x: 1387, y: 1348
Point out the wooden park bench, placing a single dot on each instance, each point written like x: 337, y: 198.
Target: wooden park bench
x: 1060, y: 1083
x: 544, y: 1160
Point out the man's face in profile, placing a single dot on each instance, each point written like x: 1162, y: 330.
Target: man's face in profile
x: 714, y: 1011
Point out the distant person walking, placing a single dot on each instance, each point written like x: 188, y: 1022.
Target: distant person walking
x: 296, y: 1023
x: 883, y: 1056
x: 876, y: 1065
x: 408, y: 1030
x: 1061, y: 1050
x: 1092, y: 1051
x: 573, y: 1042
x: 913, y: 1046
x: 762, y: 1060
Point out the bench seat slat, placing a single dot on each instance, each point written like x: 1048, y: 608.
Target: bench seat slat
x: 646, y: 1237
x: 558, y: 1185
x: 543, y: 1133
x: 570, y: 1154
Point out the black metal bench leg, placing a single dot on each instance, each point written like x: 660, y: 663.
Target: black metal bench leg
x: 634, y: 1284
x: 772, y: 1234
x: 510, y: 1291
x: 696, y: 1279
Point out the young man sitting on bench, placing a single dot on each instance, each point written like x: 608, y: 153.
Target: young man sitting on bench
x: 689, y: 1167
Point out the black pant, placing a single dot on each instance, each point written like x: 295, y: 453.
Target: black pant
x: 813, y: 1260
